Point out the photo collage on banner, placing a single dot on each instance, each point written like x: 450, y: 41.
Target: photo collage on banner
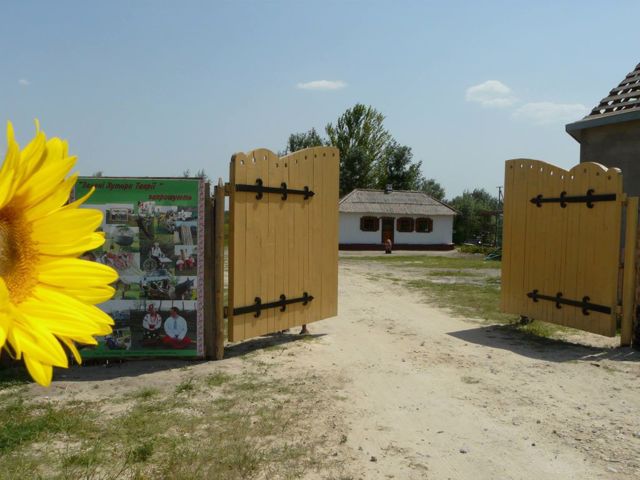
x: 154, y: 231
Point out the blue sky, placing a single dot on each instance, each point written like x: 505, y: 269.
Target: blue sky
x: 142, y: 88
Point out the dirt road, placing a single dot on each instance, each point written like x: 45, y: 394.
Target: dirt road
x: 431, y: 396
x: 395, y: 388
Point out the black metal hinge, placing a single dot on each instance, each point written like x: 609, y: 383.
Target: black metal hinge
x: 563, y: 199
x: 559, y: 300
x: 260, y: 189
x: 258, y: 306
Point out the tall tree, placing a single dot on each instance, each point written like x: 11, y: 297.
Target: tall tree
x: 432, y: 188
x: 360, y: 136
x: 473, y: 222
x: 397, y: 169
x: 299, y: 141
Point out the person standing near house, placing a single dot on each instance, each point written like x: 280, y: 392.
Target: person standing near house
x: 176, y: 328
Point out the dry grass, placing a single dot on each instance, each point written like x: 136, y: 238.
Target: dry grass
x: 219, y: 426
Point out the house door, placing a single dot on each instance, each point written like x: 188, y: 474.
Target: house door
x: 387, y: 229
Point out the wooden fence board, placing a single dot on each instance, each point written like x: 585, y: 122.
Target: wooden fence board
x: 330, y: 190
x: 296, y: 250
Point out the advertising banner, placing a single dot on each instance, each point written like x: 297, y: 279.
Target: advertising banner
x: 154, y: 230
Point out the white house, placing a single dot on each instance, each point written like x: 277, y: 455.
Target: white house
x: 412, y: 220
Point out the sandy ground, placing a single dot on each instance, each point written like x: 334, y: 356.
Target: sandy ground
x: 420, y: 394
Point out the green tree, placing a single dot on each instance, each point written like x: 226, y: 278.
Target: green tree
x: 431, y: 188
x: 360, y: 136
x: 474, y: 221
x: 299, y: 141
x: 397, y: 169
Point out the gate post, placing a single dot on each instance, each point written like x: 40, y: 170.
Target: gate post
x: 629, y: 279
x: 218, y: 273
x: 208, y: 299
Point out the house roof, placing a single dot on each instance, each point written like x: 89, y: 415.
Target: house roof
x: 621, y: 105
x: 396, y: 202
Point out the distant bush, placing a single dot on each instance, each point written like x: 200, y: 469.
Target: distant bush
x: 484, y: 250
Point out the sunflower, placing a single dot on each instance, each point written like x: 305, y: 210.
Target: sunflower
x: 47, y: 294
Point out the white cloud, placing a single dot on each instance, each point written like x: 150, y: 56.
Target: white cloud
x: 491, y: 93
x: 545, y: 113
x: 322, y: 85
x: 24, y: 82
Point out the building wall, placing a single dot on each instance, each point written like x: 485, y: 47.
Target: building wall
x: 616, y: 145
x: 350, y: 232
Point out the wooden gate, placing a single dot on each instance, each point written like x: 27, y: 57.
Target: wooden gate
x: 283, y: 240
x: 562, y: 246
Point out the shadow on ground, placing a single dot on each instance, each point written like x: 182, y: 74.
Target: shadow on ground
x: 508, y: 337
x: 14, y: 373
x: 260, y: 343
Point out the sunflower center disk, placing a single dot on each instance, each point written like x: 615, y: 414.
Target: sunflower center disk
x: 18, y: 258
x: 7, y: 249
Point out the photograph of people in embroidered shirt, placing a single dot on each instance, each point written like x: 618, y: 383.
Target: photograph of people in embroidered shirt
x: 158, y: 328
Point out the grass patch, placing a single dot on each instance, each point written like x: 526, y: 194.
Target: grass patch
x: 141, y: 453
x: 248, y: 430
x: 186, y: 386
x: 454, y: 273
x: 217, y: 379
x: 82, y: 460
x: 145, y: 393
x: 428, y: 261
x: 22, y: 423
x: 470, y: 380
x: 538, y: 328
x: 480, y: 301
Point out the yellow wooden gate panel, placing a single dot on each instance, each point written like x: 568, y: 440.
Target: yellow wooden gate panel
x: 573, y: 250
x: 283, y: 247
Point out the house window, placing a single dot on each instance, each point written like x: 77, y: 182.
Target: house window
x: 424, y: 225
x: 404, y: 224
x: 369, y: 224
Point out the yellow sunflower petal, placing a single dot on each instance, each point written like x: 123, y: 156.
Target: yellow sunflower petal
x: 92, y: 295
x: 81, y: 245
x: 40, y: 372
x: 54, y: 296
x: 61, y: 272
x: 26, y: 336
x: 5, y: 317
x: 60, y: 321
x: 5, y: 323
x: 54, y: 201
x: 74, y: 223
x: 33, y: 153
x: 80, y: 201
x: 72, y: 347
x: 10, y: 173
x: 41, y: 184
